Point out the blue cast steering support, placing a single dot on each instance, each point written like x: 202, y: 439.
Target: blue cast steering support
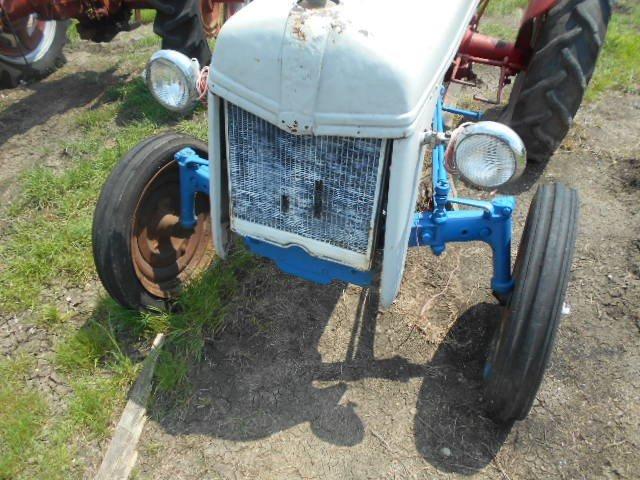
x: 489, y: 222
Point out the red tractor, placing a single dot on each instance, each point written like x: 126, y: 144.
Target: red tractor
x: 33, y: 32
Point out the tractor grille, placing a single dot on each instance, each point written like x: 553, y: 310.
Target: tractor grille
x: 319, y: 187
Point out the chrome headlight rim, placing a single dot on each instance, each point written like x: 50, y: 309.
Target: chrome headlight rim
x: 498, y: 131
x: 188, y: 68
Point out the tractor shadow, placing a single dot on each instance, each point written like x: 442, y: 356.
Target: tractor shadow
x: 259, y: 377
x: 51, y: 98
x: 136, y: 103
x: 451, y: 430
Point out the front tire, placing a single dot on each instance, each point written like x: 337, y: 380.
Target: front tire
x: 547, y: 95
x: 143, y: 256
x: 524, y: 340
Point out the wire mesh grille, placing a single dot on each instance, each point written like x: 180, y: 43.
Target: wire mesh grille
x: 319, y: 187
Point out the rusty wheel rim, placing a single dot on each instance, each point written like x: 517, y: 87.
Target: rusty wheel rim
x: 165, y: 255
x: 31, y: 41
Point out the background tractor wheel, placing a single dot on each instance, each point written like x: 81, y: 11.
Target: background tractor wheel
x: 524, y: 339
x: 30, y: 50
x: 142, y: 253
x: 546, y: 96
x: 179, y: 24
x: 215, y: 14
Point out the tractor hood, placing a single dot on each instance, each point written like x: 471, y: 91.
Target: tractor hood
x: 362, y: 68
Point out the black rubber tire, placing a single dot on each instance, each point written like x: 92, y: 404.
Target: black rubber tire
x: 113, y: 217
x: 546, y: 96
x: 179, y: 24
x: 523, y: 341
x: 11, y: 74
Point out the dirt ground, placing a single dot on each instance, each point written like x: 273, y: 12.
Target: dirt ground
x: 316, y: 382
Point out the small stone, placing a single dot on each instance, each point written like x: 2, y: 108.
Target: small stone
x: 566, y: 309
x: 445, y: 452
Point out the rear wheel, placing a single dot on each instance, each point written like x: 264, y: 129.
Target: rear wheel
x: 143, y: 255
x: 524, y: 340
x: 179, y: 24
x: 547, y: 95
x: 31, y: 49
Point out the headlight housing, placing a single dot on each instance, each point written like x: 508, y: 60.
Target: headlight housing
x: 171, y: 77
x: 487, y: 154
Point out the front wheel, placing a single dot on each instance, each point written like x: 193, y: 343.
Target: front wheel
x: 143, y: 255
x: 524, y: 340
x: 31, y: 50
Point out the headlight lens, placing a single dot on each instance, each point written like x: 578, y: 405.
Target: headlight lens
x: 171, y: 77
x: 488, y: 154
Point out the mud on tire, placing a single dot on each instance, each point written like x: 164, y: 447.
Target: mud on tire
x: 548, y: 94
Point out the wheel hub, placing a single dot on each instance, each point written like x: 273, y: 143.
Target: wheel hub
x: 29, y: 40
x: 166, y: 255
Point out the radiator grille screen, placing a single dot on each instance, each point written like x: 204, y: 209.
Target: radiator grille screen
x: 318, y: 187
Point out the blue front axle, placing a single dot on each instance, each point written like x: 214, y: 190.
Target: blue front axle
x: 489, y: 222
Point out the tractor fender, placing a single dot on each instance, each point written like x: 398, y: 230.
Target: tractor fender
x: 535, y: 10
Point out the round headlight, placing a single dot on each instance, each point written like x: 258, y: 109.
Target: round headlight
x: 487, y: 154
x: 171, y: 77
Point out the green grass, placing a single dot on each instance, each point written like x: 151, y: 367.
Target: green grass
x: 619, y: 65
x: 618, y: 68
x: 33, y: 443
x: 147, y: 16
x: 46, y: 248
x: 502, y: 18
x: 505, y: 7
x: 22, y: 417
x: 50, y: 317
x: 93, y: 404
x: 49, y: 237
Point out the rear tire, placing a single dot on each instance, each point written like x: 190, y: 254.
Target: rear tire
x: 179, y: 24
x: 142, y: 254
x: 524, y: 339
x: 548, y: 94
x: 14, y: 68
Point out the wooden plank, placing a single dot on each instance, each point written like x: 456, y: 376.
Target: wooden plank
x: 122, y: 452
